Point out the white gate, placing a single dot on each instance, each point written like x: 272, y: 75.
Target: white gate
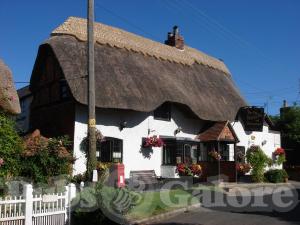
x: 49, y: 209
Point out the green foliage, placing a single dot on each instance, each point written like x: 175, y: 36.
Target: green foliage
x: 280, y: 159
x: 276, y: 176
x: 10, y: 148
x: 258, y: 161
x: 46, y: 158
x: 89, y: 206
x: 289, y: 124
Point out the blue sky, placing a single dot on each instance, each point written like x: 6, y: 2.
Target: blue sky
x: 259, y: 40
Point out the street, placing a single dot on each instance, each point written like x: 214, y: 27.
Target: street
x: 226, y: 216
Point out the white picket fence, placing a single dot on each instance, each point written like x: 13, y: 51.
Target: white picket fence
x: 29, y: 209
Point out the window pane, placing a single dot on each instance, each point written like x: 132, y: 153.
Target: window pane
x: 194, y: 153
x: 179, y: 153
x: 203, y: 153
x: 224, y: 151
x: 169, y: 157
x: 111, y: 150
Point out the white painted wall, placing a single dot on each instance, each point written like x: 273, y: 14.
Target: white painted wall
x: 138, y: 123
x: 270, y: 137
x: 137, y: 127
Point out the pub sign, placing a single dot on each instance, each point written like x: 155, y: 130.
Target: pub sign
x: 253, y: 118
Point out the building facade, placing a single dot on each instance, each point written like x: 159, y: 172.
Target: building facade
x: 143, y: 89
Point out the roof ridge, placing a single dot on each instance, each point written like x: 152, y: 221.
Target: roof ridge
x: 116, y: 37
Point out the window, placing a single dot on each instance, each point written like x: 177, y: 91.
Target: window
x: 224, y: 151
x: 64, y: 89
x: 111, y: 150
x: 175, y: 152
x: 163, y: 112
x: 240, y: 154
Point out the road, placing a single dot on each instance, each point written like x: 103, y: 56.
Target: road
x: 228, y: 216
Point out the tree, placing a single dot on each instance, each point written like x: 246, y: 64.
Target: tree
x: 289, y: 125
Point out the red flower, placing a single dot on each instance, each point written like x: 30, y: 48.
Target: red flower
x: 279, y: 151
x: 153, y: 141
x: 243, y: 168
x: 181, y: 168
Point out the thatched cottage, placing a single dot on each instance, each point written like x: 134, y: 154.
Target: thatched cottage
x: 143, y: 89
x: 9, y: 101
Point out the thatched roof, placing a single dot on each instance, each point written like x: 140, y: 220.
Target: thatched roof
x: 122, y: 39
x: 9, y: 100
x: 129, y: 78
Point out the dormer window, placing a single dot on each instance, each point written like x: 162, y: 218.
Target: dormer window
x: 163, y: 112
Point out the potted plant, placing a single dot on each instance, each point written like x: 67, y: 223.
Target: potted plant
x: 194, y: 170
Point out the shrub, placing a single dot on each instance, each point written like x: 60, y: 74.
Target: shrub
x: 10, y: 148
x: 94, y: 205
x: 276, y: 176
x: 258, y: 161
x: 44, y: 158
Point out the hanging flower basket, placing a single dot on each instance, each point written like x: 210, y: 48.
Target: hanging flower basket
x: 215, y: 155
x: 153, y: 141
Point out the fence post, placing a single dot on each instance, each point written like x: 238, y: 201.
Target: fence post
x: 72, y: 191
x: 70, y: 194
x: 28, y: 203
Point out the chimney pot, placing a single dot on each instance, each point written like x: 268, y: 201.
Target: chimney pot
x: 175, y: 30
x: 285, y: 104
x: 174, y: 39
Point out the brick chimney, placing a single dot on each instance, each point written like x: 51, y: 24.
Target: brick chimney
x: 174, y: 39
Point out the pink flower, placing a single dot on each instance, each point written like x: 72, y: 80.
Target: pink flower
x: 1, y: 162
x: 153, y: 141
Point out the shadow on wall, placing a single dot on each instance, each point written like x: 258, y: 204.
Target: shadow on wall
x: 146, y: 152
x: 114, y: 117
x: 184, y: 117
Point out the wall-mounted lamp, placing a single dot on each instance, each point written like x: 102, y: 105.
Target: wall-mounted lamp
x: 150, y: 131
x: 178, y: 130
x: 264, y: 142
x: 122, y: 125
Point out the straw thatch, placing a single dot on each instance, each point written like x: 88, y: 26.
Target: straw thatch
x: 128, y: 79
x: 9, y: 100
x: 122, y: 39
